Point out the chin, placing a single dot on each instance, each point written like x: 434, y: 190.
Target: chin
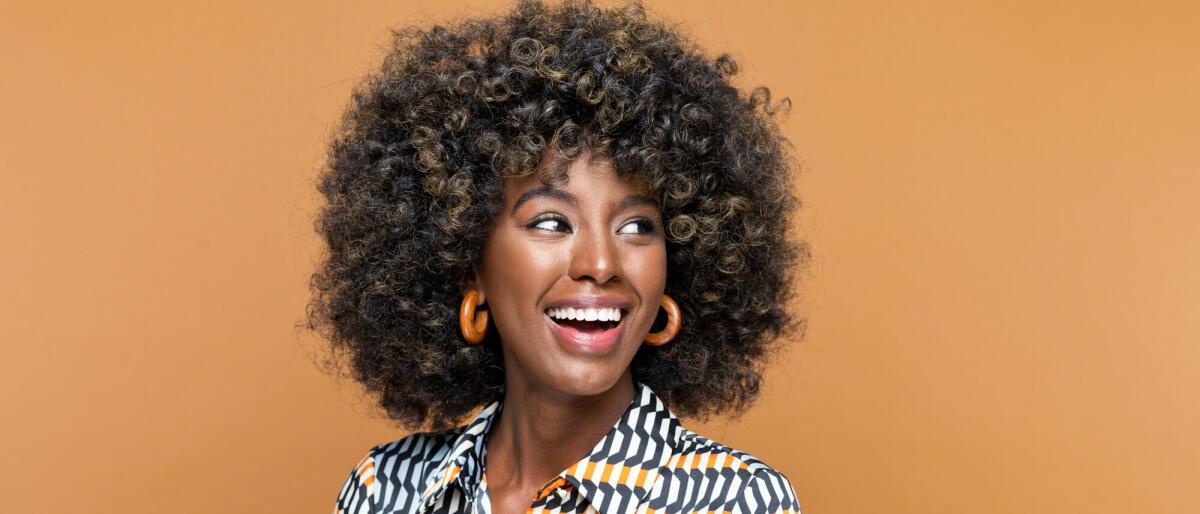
x: 585, y: 379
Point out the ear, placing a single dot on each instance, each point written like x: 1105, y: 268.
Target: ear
x: 472, y: 284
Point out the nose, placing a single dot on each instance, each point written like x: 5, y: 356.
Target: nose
x: 595, y: 255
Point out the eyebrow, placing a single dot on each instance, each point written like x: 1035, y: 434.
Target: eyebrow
x: 549, y: 191
x: 545, y: 191
x: 634, y: 201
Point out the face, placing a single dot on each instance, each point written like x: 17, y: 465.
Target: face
x: 572, y: 276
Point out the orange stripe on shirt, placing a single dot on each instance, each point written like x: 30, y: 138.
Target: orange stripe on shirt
x: 624, y: 474
x: 364, y: 469
x: 589, y: 470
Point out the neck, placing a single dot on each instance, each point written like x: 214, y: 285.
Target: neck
x: 540, y: 433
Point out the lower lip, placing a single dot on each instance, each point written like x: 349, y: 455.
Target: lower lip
x: 586, y: 342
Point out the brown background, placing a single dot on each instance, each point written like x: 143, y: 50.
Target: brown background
x: 1002, y: 200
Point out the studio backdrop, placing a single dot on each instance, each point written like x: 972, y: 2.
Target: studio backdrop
x: 1002, y: 201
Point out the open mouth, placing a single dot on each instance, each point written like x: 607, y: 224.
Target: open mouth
x: 586, y: 320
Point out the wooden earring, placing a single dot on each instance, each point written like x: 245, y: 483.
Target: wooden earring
x: 673, y: 321
x: 471, y: 322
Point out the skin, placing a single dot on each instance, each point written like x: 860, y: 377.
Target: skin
x: 559, y: 400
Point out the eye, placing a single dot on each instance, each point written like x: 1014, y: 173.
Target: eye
x: 638, y: 226
x: 550, y: 224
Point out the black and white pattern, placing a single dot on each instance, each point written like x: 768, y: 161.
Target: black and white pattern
x: 648, y: 463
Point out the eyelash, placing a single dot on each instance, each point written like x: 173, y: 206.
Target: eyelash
x: 534, y: 224
x: 647, y: 224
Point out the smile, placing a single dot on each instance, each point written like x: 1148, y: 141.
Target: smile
x: 590, y: 330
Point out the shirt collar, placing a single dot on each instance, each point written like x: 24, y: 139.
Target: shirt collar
x: 463, y: 464
x: 614, y: 477
x: 623, y: 467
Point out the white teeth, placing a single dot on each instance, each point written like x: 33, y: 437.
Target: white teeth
x: 611, y: 314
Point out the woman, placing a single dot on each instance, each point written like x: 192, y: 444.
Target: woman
x: 569, y: 217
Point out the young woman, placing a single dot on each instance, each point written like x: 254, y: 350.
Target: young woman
x: 568, y: 217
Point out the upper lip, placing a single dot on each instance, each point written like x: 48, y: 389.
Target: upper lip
x: 590, y: 302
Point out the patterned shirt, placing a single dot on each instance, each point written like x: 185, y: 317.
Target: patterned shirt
x: 647, y: 463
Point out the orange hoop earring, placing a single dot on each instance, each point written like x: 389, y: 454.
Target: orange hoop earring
x: 673, y: 321
x: 471, y: 322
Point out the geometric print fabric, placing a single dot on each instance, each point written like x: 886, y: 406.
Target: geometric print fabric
x: 647, y: 463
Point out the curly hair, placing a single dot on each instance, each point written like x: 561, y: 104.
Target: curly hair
x: 414, y: 179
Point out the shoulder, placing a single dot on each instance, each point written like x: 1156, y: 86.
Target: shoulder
x: 737, y: 481
x: 767, y: 491
x: 389, y: 476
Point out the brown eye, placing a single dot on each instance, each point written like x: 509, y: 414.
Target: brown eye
x: 638, y: 226
x: 551, y: 224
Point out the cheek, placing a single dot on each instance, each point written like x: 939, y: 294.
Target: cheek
x: 516, y: 275
x: 647, y: 272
